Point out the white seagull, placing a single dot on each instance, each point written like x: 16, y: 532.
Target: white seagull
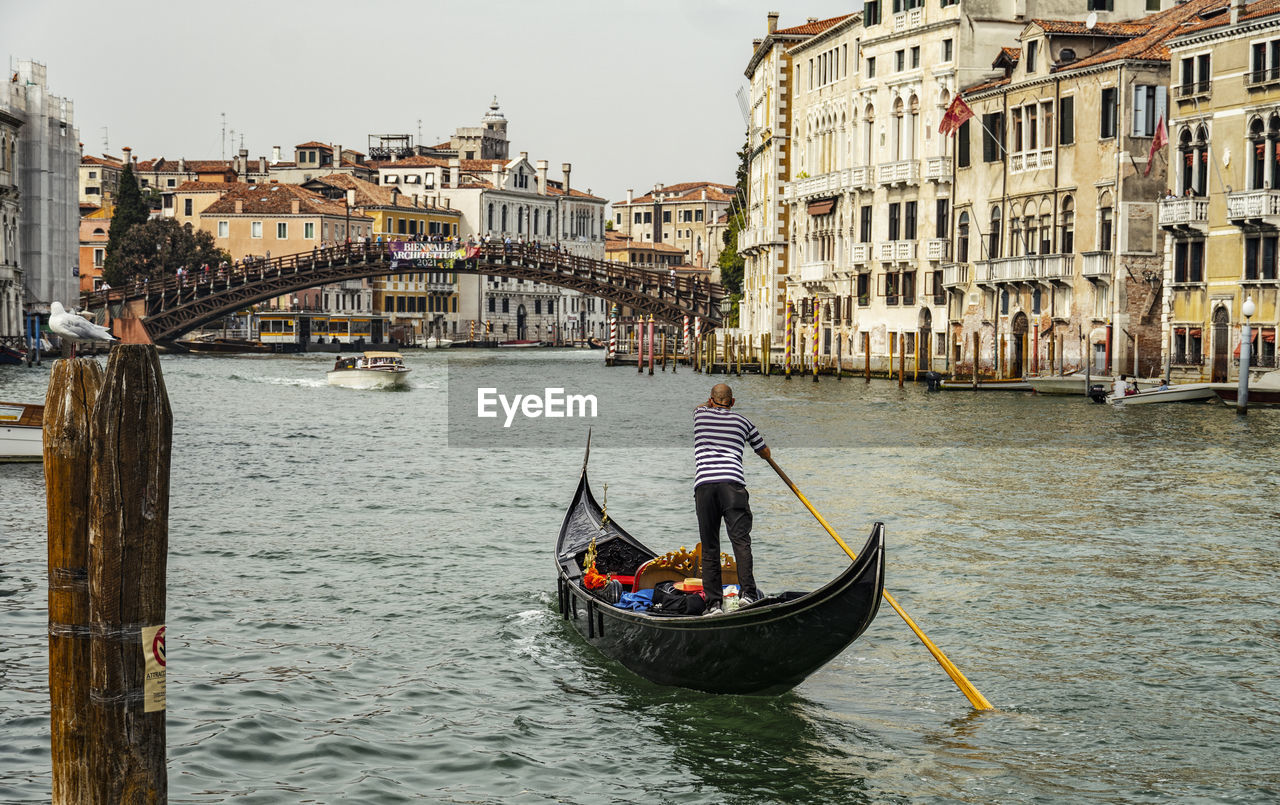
x: 76, y: 329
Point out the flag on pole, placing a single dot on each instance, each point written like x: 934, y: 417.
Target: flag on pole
x: 1157, y: 142
x: 957, y: 113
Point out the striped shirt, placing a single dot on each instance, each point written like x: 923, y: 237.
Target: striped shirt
x: 718, y: 437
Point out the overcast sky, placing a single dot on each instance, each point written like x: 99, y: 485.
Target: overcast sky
x: 632, y: 92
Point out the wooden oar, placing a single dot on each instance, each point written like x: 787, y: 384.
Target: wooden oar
x: 975, y: 698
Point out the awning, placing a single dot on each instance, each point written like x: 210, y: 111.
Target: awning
x: 822, y: 207
x: 1179, y: 330
x: 1195, y: 332
x: 1253, y: 339
x: 1269, y: 336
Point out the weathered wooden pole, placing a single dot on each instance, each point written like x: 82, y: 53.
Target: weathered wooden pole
x: 902, y: 357
x: 976, y: 344
x: 651, y: 344
x: 128, y: 555
x: 866, y: 353
x: 765, y: 353
x: 889, y: 373
x: 640, y: 346
x: 663, y: 360
x: 68, y: 419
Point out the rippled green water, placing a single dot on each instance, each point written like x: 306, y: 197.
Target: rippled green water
x: 358, y: 612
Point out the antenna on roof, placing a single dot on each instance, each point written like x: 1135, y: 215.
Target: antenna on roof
x: 1091, y: 21
x: 224, y: 136
x: 106, y: 147
x: 744, y: 105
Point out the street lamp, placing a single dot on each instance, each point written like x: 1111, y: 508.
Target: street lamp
x: 1246, y: 344
x: 348, y: 198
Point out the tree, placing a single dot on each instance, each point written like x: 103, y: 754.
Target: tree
x: 163, y: 245
x: 730, y: 262
x: 131, y: 210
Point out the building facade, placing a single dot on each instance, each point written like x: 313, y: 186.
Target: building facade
x: 48, y: 160
x: 680, y: 215
x: 1222, y: 217
x: 10, y: 201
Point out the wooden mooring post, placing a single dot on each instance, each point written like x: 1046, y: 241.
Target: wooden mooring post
x: 73, y: 389
x: 128, y: 558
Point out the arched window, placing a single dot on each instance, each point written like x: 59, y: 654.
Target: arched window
x: 491, y: 216
x: 1106, y: 223
x: 993, y: 245
x: 869, y: 136
x: 1187, y: 162
x: 1257, y: 155
x: 898, y: 132
x: 962, y: 238
x: 504, y: 217
x: 1067, y: 242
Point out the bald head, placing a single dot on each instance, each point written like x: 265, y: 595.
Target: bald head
x: 721, y: 394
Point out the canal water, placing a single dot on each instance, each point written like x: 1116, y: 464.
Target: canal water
x: 361, y: 594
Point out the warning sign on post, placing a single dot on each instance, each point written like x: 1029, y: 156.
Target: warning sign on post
x: 153, y: 657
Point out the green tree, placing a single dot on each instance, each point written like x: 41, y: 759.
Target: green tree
x: 131, y: 210
x: 163, y: 245
x: 730, y: 262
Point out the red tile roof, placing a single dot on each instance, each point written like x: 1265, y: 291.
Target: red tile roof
x: 1154, y: 44
x: 369, y: 194
x: 191, y: 186
x: 1076, y: 28
x: 314, y: 144
x: 409, y: 162
x: 273, y: 199
x: 105, y: 161
x: 1261, y: 8
x: 686, y: 192
x: 815, y: 27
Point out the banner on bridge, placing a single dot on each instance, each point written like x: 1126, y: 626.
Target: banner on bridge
x: 413, y: 254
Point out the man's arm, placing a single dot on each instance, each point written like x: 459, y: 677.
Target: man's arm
x: 764, y: 453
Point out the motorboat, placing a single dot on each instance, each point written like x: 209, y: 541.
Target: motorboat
x: 1265, y: 391
x: 1076, y: 383
x: 21, y: 432
x: 522, y: 344
x: 372, y: 370
x: 438, y: 343
x: 1183, y: 392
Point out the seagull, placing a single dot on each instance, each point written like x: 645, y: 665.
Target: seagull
x: 76, y: 329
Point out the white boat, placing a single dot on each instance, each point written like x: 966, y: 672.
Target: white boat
x: 1003, y: 384
x: 1264, y: 391
x: 1076, y: 383
x: 1183, y: 392
x: 525, y: 344
x: 438, y: 343
x: 21, y: 432
x: 372, y: 370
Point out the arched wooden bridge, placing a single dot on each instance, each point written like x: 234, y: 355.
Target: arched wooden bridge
x: 173, y: 305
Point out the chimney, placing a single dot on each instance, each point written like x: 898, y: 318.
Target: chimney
x: 524, y: 155
x: 337, y: 156
x: 239, y: 206
x: 773, y: 21
x: 704, y: 194
x: 395, y: 196
x: 495, y: 174
x: 295, y: 206
x: 275, y: 153
x: 455, y: 172
x: 1236, y: 7
x: 182, y: 165
x: 446, y: 202
x: 542, y: 177
x: 565, y: 167
x: 630, y: 193
x: 262, y: 165
x: 127, y: 154
x: 811, y: 20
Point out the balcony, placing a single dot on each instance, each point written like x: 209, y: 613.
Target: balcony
x: 896, y: 251
x: 937, y: 249
x: 1184, y: 213
x: 861, y: 177
x: 860, y: 253
x: 907, y: 20
x: 1256, y: 206
x: 1031, y: 160
x: 823, y: 185
x: 1196, y: 90
x: 1097, y: 265
x: 904, y: 172
x: 1255, y: 79
x: 440, y: 287
x: 817, y: 271
x: 1027, y: 268
x: 955, y: 275
x: 937, y: 169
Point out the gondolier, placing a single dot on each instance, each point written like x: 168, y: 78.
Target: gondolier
x: 720, y: 490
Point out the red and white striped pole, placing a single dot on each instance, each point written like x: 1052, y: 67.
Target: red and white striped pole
x: 697, y: 339
x: 613, y: 334
x: 685, y: 344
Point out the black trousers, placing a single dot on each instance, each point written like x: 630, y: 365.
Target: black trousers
x: 729, y: 502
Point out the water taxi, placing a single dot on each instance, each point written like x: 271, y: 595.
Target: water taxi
x: 21, y: 432
x: 372, y: 370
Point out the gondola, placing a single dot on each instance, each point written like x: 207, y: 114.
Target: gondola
x: 765, y: 647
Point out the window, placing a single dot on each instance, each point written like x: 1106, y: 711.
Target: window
x: 864, y: 289
x: 1260, y: 257
x: 93, y: 174
x: 255, y: 229
x: 492, y: 304
x: 895, y: 211
x: 98, y: 255
x: 1100, y: 5
x: 871, y: 60
x: 639, y: 218
x: 1105, y: 225
x: 939, y: 291
x: 1148, y: 107
x: 666, y: 216
x: 864, y: 228
x: 899, y: 61
x: 282, y: 231
x: 915, y: 57
x: 222, y: 229
x: 1033, y: 49
x: 962, y: 145
x: 1068, y: 231
x: 992, y: 127
x: 909, y: 220
x: 171, y: 182
x: 1066, y: 121
x: 648, y: 217
x: 941, y: 216
x: 506, y: 305
x: 697, y: 215
x: 962, y: 238
x: 187, y: 207
x: 993, y: 246
x: 948, y: 50
x: 871, y: 15
x: 1107, y: 115
x: 309, y: 230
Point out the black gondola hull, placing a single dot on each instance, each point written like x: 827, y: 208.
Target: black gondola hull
x: 768, y: 647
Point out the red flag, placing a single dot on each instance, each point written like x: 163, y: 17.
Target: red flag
x: 1158, y: 142
x: 957, y: 113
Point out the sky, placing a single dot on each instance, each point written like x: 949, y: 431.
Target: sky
x: 631, y: 92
